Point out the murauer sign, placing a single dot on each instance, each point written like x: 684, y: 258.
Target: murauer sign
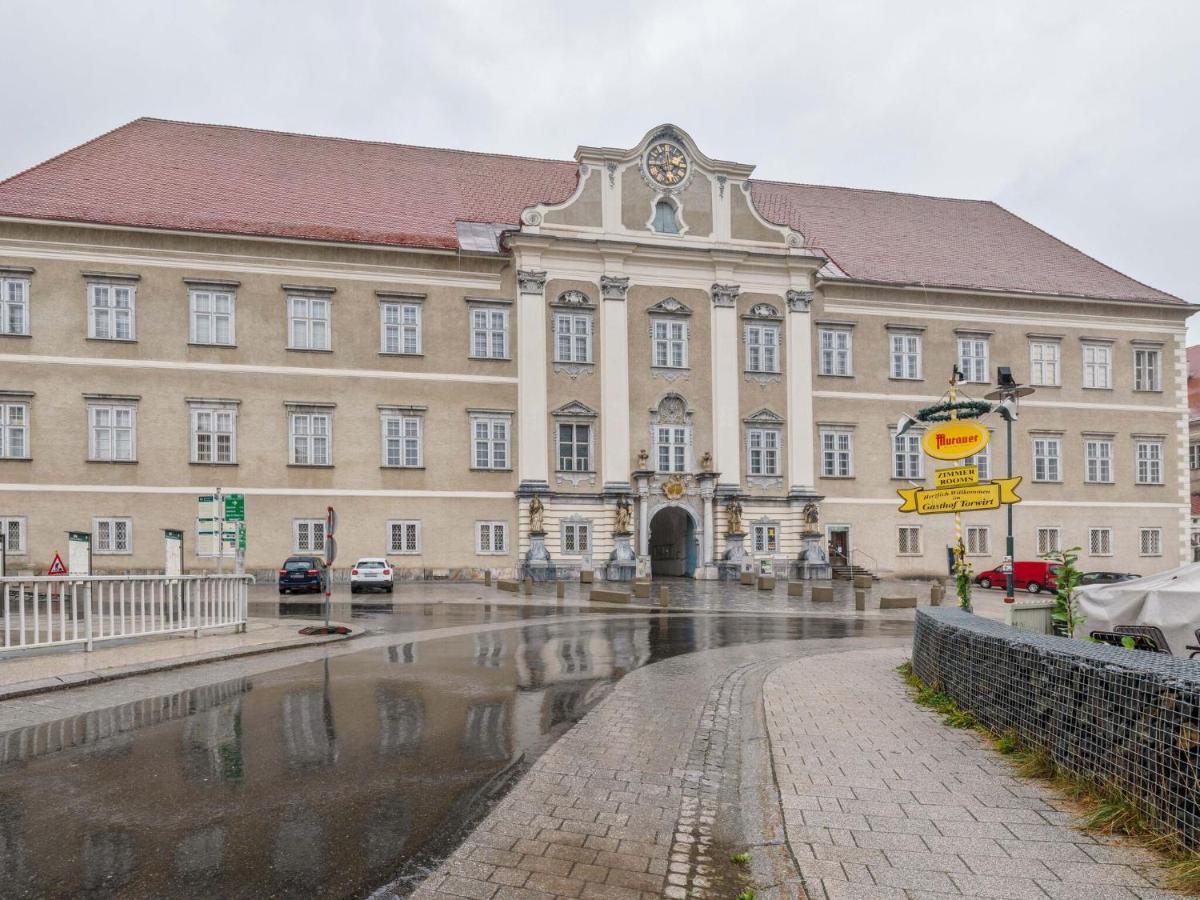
x: 956, y: 439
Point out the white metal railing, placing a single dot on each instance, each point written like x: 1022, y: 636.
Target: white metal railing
x: 56, y: 611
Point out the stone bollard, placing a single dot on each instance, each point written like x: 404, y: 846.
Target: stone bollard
x: 487, y: 577
x: 562, y: 590
x: 528, y: 583
x: 863, y: 582
x: 860, y: 600
x: 586, y: 576
x: 641, y: 590
x: 937, y: 593
x: 795, y: 588
x: 822, y: 593
x: 664, y: 596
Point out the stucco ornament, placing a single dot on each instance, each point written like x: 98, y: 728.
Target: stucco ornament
x: 624, y: 516
x: 537, y: 513
x: 733, y: 517
x: 531, y: 281
x: 674, y: 488
x: 799, y: 301
x: 725, y: 294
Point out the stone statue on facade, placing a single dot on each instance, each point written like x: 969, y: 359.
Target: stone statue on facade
x: 812, y: 514
x: 706, y: 461
x: 624, y: 523
x: 733, y: 517
x: 537, y: 513
x: 643, y: 460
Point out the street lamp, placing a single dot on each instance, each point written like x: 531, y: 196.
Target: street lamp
x: 1009, y: 394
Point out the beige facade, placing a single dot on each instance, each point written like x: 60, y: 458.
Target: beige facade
x: 589, y: 319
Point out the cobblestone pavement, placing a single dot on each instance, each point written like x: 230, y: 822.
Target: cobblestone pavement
x: 882, y: 800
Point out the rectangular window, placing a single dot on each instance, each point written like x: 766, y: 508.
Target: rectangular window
x: 112, y: 431
x: 908, y: 540
x: 1049, y: 539
x: 308, y: 535
x: 1097, y: 453
x: 404, y: 537
x: 1097, y: 366
x: 766, y: 538
x: 14, y: 430
x: 978, y: 540
x: 982, y: 459
x: 13, y: 530
x: 1100, y: 541
x: 763, y: 451
x: 672, y: 446
x: 1044, y: 362
x: 1147, y: 370
x: 491, y: 537
x: 1150, y: 542
x: 906, y: 356
x: 572, y: 338
x: 574, y: 447
x: 835, y: 351
x: 1047, y: 455
x: 906, y: 456
x: 400, y: 328
x: 401, y: 440
x: 14, y: 306
x: 112, y: 535
x: 1149, y: 455
x: 308, y: 323
x: 836, y: 454
x: 670, y: 344
x: 1194, y: 455
x: 973, y: 359
x: 489, y: 333
x: 489, y: 437
x: 214, y: 435
x: 576, y: 538
x: 211, y: 317
x: 110, y: 311
x: 762, y: 348
x: 310, y: 437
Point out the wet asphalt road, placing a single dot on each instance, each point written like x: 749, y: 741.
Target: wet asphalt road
x: 331, y: 778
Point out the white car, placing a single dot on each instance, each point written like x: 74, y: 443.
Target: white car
x: 371, y: 572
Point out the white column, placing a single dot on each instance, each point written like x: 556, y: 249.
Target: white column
x: 727, y: 430
x: 708, y: 527
x: 801, y: 464
x: 643, y: 535
x: 614, y: 379
x: 532, y: 403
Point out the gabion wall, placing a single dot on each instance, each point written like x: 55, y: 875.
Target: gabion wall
x: 1126, y: 718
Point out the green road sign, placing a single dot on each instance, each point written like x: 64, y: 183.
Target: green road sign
x: 241, y: 536
x: 235, y: 507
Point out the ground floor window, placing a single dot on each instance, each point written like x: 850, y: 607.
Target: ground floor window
x: 1150, y: 542
x: 112, y: 535
x: 1049, y: 539
x: 308, y: 535
x: 491, y: 537
x: 978, y: 540
x: 13, y: 530
x: 908, y: 540
x: 766, y: 538
x: 404, y: 537
x: 1100, y: 541
x: 576, y: 537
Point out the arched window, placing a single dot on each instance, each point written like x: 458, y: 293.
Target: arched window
x: 665, y: 219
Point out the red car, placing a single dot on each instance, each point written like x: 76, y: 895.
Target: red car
x: 1030, y: 576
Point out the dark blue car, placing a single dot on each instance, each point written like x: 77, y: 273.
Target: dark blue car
x: 302, y: 574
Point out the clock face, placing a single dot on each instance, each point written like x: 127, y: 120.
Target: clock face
x: 666, y: 164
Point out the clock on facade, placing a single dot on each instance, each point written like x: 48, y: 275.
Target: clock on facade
x: 666, y: 164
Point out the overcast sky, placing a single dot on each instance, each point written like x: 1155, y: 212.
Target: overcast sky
x: 1083, y: 117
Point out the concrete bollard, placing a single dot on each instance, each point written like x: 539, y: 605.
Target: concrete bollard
x: 664, y: 596
x: 602, y: 595
x: 795, y: 588
x: 766, y: 583
x: 863, y: 582
x: 562, y: 590
x: 822, y: 593
x: 586, y: 576
x: 746, y: 578
x: 487, y: 577
x: 936, y: 594
x: 860, y: 600
x: 641, y: 590
x: 528, y: 583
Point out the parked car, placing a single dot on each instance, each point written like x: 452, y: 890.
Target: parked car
x: 371, y: 573
x: 1106, y: 577
x: 302, y: 574
x: 1030, y: 576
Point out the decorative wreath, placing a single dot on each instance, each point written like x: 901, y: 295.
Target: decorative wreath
x: 966, y: 409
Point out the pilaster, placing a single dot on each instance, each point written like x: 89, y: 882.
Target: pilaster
x: 533, y: 468
x: 801, y: 448
x: 726, y: 377
x: 614, y: 380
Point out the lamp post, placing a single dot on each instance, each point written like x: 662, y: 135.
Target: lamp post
x: 1009, y: 394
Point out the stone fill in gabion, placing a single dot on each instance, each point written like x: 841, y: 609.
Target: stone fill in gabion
x: 1126, y: 718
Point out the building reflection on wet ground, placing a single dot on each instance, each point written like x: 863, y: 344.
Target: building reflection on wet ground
x: 329, y: 778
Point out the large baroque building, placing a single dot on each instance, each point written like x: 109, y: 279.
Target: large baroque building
x: 428, y: 339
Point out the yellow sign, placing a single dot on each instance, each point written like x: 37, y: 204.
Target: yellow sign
x: 956, y: 439
x: 956, y: 477
x: 968, y: 498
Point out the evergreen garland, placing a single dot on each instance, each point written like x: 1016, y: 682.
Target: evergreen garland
x: 966, y: 409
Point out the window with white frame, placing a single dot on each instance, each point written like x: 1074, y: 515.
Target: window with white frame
x: 906, y: 455
x: 766, y: 537
x: 1100, y: 541
x: 112, y: 535
x: 762, y: 450
x: 14, y: 305
x: 1049, y: 539
x: 112, y: 432
x: 14, y: 430
x: 490, y: 442
x: 1149, y: 456
x: 111, y: 311
x: 489, y: 333
x: 1147, y: 369
x: 1047, y: 459
x: 670, y: 343
x: 310, y: 437
x: 973, y: 359
x: 837, y: 449
x: 835, y: 351
x: 1194, y: 455
x: 309, y: 323
x: 1097, y: 366
x: 491, y: 537
x: 400, y: 327
x: 13, y: 530
x: 308, y: 535
x: 671, y: 447
x: 401, y: 439
x: 574, y: 447
x: 214, y: 434
x: 1045, y: 360
x: 982, y: 459
x: 978, y: 540
x: 572, y: 337
x: 211, y: 317
x: 908, y: 540
x: 1150, y: 542
x: 576, y: 537
x: 762, y: 348
x: 1097, y: 455
x: 906, y: 355
x: 404, y: 536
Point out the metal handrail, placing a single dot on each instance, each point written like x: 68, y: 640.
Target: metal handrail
x: 855, y: 552
x: 58, y: 579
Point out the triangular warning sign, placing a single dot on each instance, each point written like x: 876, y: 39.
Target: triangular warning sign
x: 57, y: 567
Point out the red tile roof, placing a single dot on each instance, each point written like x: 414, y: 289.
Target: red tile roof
x: 219, y: 179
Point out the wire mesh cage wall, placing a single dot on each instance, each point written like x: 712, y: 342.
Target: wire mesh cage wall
x: 1127, y: 719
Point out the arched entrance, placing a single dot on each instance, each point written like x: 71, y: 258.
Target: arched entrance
x: 673, y: 545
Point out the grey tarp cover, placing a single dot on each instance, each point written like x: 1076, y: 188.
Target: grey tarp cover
x: 1170, y: 600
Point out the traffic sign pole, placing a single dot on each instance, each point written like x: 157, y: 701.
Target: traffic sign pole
x: 330, y: 556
